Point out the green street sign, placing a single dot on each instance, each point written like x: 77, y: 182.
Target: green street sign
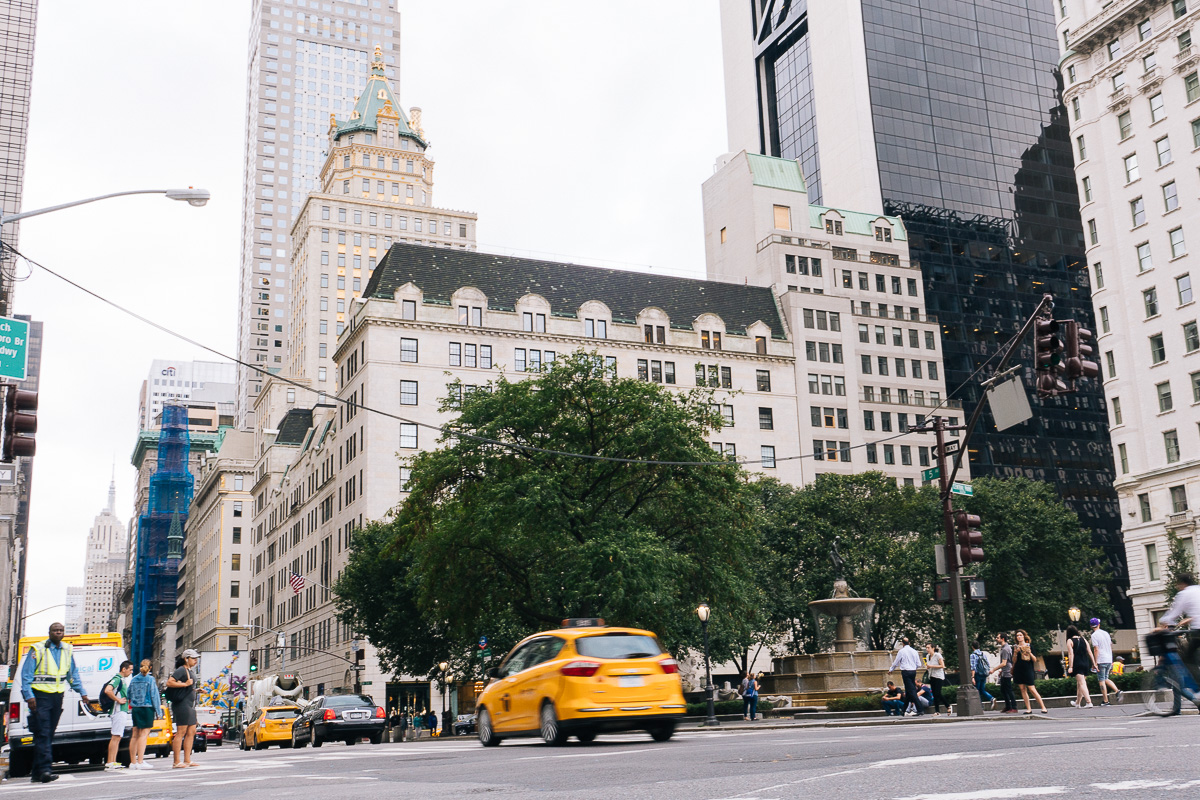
x: 487, y: 652
x: 962, y: 488
x: 931, y: 473
x: 14, y: 348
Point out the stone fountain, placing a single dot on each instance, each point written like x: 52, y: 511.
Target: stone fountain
x: 847, y: 668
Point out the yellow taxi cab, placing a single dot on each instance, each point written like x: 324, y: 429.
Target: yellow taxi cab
x: 581, y: 680
x: 268, y: 726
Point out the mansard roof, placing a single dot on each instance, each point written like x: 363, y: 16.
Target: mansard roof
x: 440, y: 272
x: 376, y: 97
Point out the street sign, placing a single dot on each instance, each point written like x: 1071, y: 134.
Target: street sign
x: 953, y: 446
x: 366, y: 683
x: 964, y: 489
x: 14, y: 348
x: 931, y: 473
x: 357, y: 667
x: 482, y: 642
x: 487, y: 652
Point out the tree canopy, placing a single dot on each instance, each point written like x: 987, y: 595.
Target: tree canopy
x: 504, y: 541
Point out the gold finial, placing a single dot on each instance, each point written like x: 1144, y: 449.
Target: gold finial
x: 378, y: 53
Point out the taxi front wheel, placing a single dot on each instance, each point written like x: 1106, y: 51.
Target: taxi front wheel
x: 487, y: 734
x: 552, y: 732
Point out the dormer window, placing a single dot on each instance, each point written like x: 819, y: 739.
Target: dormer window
x: 783, y: 218
x: 595, y: 328
x: 833, y: 227
x: 710, y: 340
x: 883, y: 233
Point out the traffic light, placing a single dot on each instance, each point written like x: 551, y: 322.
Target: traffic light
x: 1048, y: 357
x: 966, y: 526
x: 1079, y: 350
x: 18, y: 423
x: 253, y: 664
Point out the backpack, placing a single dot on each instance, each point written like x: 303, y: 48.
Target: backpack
x: 106, y: 702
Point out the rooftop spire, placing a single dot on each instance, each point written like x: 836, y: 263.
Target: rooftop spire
x: 112, y: 490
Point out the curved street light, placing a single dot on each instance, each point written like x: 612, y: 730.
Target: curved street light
x: 703, y: 612
x: 192, y: 196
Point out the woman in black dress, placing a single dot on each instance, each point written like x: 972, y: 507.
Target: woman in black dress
x: 1023, y: 673
x: 1080, y: 663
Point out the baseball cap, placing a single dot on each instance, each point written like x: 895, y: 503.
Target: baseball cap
x: 190, y: 654
x: 1095, y: 623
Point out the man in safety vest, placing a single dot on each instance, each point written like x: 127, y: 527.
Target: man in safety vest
x: 48, y: 670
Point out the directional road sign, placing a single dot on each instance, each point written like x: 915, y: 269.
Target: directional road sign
x: 14, y: 348
x: 962, y: 488
x: 931, y: 473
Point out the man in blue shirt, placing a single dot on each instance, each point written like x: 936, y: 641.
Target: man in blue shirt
x: 48, y: 669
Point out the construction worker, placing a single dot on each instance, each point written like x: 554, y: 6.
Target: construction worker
x: 48, y: 670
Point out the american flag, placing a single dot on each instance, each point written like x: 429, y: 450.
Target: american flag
x: 297, y: 582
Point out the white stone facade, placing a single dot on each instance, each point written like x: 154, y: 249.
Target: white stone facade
x: 1131, y: 89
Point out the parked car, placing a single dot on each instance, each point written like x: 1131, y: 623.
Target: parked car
x: 464, y: 724
x: 344, y: 717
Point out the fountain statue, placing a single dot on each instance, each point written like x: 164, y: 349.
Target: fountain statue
x: 844, y: 609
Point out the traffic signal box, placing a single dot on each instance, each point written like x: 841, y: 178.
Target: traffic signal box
x: 970, y: 539
x: 18, y: 423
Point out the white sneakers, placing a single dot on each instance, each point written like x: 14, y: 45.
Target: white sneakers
x: 113, y: 767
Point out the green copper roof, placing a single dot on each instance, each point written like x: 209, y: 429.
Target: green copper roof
x: 858, y: 222
x: 776, y: 173
x: 376, y: 96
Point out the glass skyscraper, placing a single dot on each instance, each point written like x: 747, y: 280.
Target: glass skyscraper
x: 947, y: 113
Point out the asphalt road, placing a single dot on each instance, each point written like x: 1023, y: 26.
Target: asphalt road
x: 1109, y: 756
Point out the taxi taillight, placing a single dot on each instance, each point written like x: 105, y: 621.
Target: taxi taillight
x: 669, y: 666
x: 581, y: 669
x: 379, y: 713
x: 14, y: 712
x: 329, y: 714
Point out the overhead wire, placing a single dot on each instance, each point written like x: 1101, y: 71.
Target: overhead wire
x: 447, y: 429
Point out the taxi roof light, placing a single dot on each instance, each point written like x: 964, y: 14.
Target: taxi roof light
x: 583, y: 622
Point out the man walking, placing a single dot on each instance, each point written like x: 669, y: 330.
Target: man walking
x: 1102, y: 647
x: 117, y: 691
x: 908, y: 661
x: 48, y: 669
x: 1005, y: 670
x: 979, y: 673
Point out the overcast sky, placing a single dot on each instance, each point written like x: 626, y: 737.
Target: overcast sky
x: 577, y: 131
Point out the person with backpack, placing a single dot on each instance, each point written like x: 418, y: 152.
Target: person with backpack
x: 979, y: 672
x: 144, y: 707
x: 114, y: 699
x: 747, y: 679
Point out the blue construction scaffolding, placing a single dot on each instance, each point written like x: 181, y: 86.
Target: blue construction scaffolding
x: 161, y: 531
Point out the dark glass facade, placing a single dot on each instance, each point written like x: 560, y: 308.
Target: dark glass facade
x: 973, y: 149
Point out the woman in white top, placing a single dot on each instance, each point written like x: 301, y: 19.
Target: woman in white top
x: 936, y: 666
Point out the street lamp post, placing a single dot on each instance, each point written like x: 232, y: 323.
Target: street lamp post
x: 711, y: 722
x: 1073, y: 614
x: 447, y: 726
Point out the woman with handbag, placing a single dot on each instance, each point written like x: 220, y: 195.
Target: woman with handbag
x: 1023, y: 672
x: 935, y: 668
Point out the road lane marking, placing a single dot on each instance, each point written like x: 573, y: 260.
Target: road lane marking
x: 235, y: 780
x: 992, y: 794
x: 594, y: 755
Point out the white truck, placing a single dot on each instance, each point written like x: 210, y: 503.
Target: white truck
x: 272, y: 689
x: 82, y: 735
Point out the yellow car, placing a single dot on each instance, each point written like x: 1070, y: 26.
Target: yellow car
x: 581, y: 680
x: 268, y: 726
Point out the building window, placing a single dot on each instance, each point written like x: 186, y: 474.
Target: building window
x: 408, y: 436
x: 1082, y: 147
x: 1116, y: 411
x: 1170, y: 196
x: 408, y: 393
x: 1131, y: 168
x: 408, y: 351
x: 1150, y: 301
x: 763, y: 380
x: 833, y: 227
x: 1125, y: 123
x: 1158, y: 351
x: 1163, y: 148
x: 1123, y: 456
x: 1087, y: 189
x: 237, y: 534
x: 1093, y: 233
x: 408, y: 309
x: 237, y: 508
x: 595, y: 328
x: 766, y: 419
x: 1178, y: 247
x: 1152, y: 561
x: 1157, y: 109
x: 1104, y: 325
x: 1118, y: 81
x: 1164, y: 396
x: 1179, y: 8
x: 768, y: 457
x: 1114, y: 49
x: 1171, y: 446
x: 783, y: 218
x: 1144, y: 507
x: 1179, y: 503
x: 235, y: 562
x: 1137, y: 211
x: 1144, y: 260
x: 1191, y: 85
x: 1110, y: 362
x: 235, y: 589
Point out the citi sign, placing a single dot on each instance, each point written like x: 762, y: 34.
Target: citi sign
x: 169, y: 372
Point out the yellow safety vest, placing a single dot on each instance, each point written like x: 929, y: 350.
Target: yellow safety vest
x: 48, y: 676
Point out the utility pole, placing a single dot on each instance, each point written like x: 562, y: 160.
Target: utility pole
x: 968, y: 703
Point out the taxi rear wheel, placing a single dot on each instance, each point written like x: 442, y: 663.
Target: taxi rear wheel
x: 662, y: 733
x: 487, y: 734
x: 552, y: 732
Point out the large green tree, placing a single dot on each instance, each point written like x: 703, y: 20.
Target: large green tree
x: 504, y: 540
x: 885, y: 536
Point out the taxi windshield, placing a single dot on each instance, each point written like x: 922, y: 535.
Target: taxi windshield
x: 283, y: 713
x: 618, y: 645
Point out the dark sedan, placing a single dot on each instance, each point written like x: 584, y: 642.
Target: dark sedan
x: 343, y: 717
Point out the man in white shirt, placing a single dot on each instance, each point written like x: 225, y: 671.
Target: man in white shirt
x: 1102, y: 648
x: 1185, y: 608
x: 908, y: 661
